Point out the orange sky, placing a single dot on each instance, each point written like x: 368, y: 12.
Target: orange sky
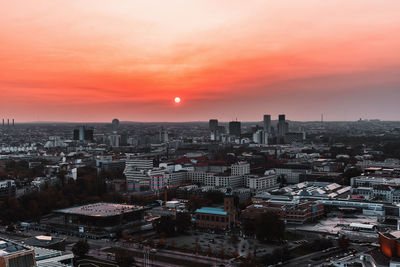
x: 100, y: 59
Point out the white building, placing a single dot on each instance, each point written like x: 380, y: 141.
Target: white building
x: 234, y: 181
x: 292, y: 176
x: 176, y: 178
x: 240, y: 168
x: 7, y: 183
x: 369, y: 181
x: 260, y: 137
x: 140, y: 164
x: 258, y: 184
x: 203, y: 178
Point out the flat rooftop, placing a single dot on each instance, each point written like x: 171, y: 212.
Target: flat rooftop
x: 392, y: 234
x: 8, y: 247
x: 101, y: 209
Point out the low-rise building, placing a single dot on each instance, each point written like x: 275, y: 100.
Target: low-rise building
x: 15, y: 255
x: 218, y: 218
x: 291, y: 175
x: 289, y: 211
x: 96, y: 220
x: 307, y: 190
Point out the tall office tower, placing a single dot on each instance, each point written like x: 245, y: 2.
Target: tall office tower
x: 8, y: 122
x: 235, y: 128
x: 267, y: 123
x: 213, y: 125
x: 124, y: 139
x: 3, y: 123
x: 13, y: 122
x: 163, y: 135
x: 283, y: 126
x: 83, y: 133
x: 115, y: 124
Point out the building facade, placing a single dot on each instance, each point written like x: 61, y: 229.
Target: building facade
x: 218, y: 218
x: 235, y: 128
x: 240, y: 168
x: 261, y: 183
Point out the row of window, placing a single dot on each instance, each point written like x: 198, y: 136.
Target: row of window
x: 210, y: 218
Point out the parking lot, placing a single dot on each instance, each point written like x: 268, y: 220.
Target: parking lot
x: 218, y: 242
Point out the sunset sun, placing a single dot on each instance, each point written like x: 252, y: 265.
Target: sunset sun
x: 177, y: 99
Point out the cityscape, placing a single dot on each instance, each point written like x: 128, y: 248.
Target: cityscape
x: 268, y: 193
x: 169, y: 133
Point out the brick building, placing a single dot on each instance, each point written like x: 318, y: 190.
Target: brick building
x: 218, y: 218
x: 289, y: 211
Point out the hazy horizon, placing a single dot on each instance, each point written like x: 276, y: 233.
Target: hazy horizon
x: 197, y: 121
x: 95, y: 60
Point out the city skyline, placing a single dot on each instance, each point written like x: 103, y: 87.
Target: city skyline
x: 92, y: 61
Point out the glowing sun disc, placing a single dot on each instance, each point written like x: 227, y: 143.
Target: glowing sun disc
x: 177, y: 99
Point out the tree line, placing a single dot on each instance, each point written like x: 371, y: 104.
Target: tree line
x: 88, y: 188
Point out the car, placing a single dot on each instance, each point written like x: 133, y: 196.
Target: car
x: 153, y: 250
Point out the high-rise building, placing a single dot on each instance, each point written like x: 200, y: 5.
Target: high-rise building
x: 213, y: 124
x: 124, y: 139
x: 83, y: 133
x: 235, y: 128
x: 283, y: 126
x: 115, y: 124
x: 260, y: 137
x: 267, y: 123
x: 163, y: 136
